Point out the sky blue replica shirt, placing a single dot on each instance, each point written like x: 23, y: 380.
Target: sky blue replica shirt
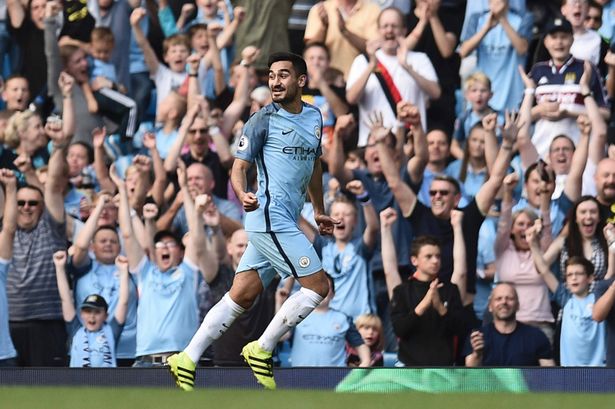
x: 7, y: 350
x: 285, y: 147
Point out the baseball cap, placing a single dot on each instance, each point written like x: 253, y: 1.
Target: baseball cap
x: 94, y: 301
x: 559, y: 25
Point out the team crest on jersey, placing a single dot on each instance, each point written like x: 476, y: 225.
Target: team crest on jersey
x: 317, y: 132
x: 570, y: 78
x: 304, y: 261
x: 242, y: 145
x: 543, y: 80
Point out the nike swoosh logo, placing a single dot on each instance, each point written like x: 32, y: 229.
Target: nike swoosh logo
x: 225, y: 326
x: 301, y: 317
x: 287, y: 132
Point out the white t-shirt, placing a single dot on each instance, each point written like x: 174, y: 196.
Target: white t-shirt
x: 586, y: 46
x: 373, y: 97
x: 166, y: 81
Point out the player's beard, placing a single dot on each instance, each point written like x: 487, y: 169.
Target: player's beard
x: 288, y: 96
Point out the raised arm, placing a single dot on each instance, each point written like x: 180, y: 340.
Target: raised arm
x: 148, y: 52
x: 489, y: 123
x: 81, y: 245
x: 170, y: 163
x: 604, y: 305
x: 505, y: 222
x: 198, y: 249
x: 323, y: 221
x: 225, y: 38
x: 596, y: 150
x: 445, y: 41
x: 354, y: 92
x: 486, y: 194
x: 100, y: 166
x: 160, y: 174
x: 9, y: 217
x: 370, y: 234
x: 410, y: 114
x: 121, y: 309
x: 532, y: 237
x: 57, y: 171
x: 133, y: 249
x: 574, y: 180
x: 389, y: 255
x: 356, y: 40
x: 150, y: 211
x: 403, y: 193
x: 344, y: 125
x: 66, y: 298
x: 16, y: 11
x: 526, y: 148
x: 424, y: 14
x: 66, y: 83
x: 460, y: 266
x: 472, y: 43
x: 241, y: 98
x: 430, y: 87
x: 52, y: 50
x: 519, y: 43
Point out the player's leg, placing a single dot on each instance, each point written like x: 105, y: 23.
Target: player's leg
x: 246, y: 287
x: 289, y: 254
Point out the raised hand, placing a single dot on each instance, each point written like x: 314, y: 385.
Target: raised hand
x: 490, y: 121
x: 325, y: 224
x: 355, y: 187
x: 54, y: 131
x: 23, y: 163
x: 59, y: 258
x: 584, y: 124
x: 187, y: 10
x: 66, y: 82
x: 211, y: 216
x: 194, y: 60
x: 201, y: 202
x: 456, y: 218
x: 510, y: 181
x: 527, y: 81
x: 344, y: 125
x: 375, y: 123
x: 239, y: 14
x: 387, y: 217
x: 121, y: 262
x: 322, y: 13
x: 98, y: 137
x: 181, y: 174
x: 115, y: 178
x: 142, y: 163
x: 477, y: 340
x: 8, y: 178
x: 137, y: 15
x: 149, y: 140
x: 512, y: 124
x: 586, y: 78
x: 409, y: 113
x: 250, y: 54
x: 150, y: 211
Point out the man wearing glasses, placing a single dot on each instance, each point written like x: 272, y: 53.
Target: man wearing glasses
x: 445, y: 195
x: 35, y: 314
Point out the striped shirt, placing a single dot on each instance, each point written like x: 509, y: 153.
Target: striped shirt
x: 31, y: 287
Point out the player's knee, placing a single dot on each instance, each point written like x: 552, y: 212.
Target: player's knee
x: 246, y: 287
x: 321, y: 287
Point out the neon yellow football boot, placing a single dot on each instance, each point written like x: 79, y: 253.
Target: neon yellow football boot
x: 261, y: 364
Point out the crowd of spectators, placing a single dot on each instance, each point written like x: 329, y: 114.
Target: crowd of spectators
x: 469, y: 155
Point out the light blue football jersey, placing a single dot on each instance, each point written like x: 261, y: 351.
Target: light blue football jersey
x: 285, y: 147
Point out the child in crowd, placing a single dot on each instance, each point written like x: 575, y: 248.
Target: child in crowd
x: 93, y: 339
x: 582, y: 340
x: 175, y: 51
x: 103, y: 93
x: 370, y: 328
x: 477, y: 92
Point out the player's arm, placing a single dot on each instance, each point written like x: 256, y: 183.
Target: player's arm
x: 239, y: 182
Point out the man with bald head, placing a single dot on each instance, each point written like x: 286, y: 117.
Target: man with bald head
x: 506, y: 341
x: 605, y: 188
x: 201, y: 181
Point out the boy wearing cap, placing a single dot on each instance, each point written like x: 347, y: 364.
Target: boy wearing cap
x: 93, y: 342
x: 559, y: 99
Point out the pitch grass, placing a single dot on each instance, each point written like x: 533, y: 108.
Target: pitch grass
x: 137, y: 398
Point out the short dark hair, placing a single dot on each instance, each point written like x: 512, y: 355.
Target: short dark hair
x: 88, y: 149
x: 106, y: 227
x: 319, y: 45
x: 422, y: 241
x: 194, y: 28
x: 168, y: 233
x: 532, y: 168
x: 32, y: 187
x: 581, y: 261
x: 449, y: 179
x: 297, y: 61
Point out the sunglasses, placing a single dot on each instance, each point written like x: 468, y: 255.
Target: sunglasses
x: 199, y: 130
x: 441, y: 192
x: 31, y: 203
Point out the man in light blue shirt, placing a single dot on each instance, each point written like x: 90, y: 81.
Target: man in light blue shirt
x: 8, y: 179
